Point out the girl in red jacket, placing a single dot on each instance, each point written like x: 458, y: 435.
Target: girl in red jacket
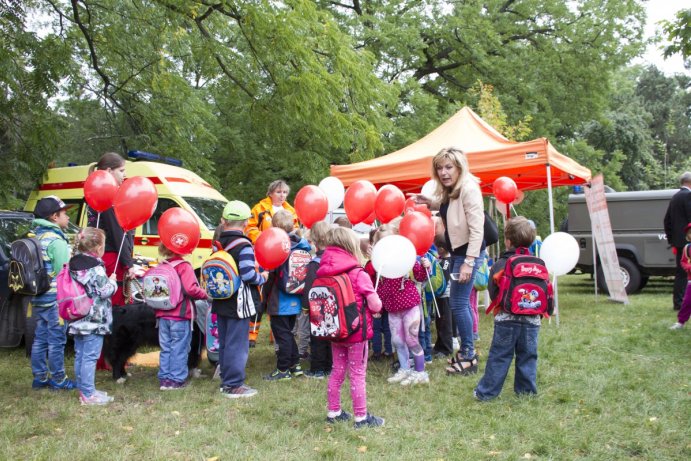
x: 343, y: 256
x: 174, y: 327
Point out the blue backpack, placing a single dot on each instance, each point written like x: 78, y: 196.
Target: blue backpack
x: 437, y: 280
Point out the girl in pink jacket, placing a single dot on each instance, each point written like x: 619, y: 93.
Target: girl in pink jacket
x: 342, y: 255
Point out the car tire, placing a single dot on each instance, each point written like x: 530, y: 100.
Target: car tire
x: 632, y: 276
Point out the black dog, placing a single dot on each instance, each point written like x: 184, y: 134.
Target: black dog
x: 134, y: 325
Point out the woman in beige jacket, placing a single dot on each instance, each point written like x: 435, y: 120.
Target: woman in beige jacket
x: 459, y: 201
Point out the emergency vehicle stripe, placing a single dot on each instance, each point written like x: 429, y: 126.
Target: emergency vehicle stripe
x: 152, y: 240
x: 80, y: 184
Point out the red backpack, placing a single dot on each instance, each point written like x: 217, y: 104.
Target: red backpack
x: 334, y: 314
x: 524, y: 286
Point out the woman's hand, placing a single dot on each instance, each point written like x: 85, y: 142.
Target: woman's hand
x: 420, y: 199
x: 465, y: 274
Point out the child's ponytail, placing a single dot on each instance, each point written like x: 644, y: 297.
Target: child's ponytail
x: 89, y: 239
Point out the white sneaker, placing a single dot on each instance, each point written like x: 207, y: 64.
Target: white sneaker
x: 399, y: 376
x: 677, y: 326
x: 416, y: 377
x: 456, y: 344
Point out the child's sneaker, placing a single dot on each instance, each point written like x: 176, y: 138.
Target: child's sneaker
x: 318, y: 374
x: 104, y: 395
x: 676, y: 326
x: 416, y: 377
x: 342, y: 417
x: 296, y: 371
x: 456, y: 344
x: 94, y: 399
x: 64, y: 385
x: 400, y: 375
x: 39, y: 383
x: 239, y: 392
x: 370, y: 421
x: 174, y: 385
x: 278, y: 375
x: 165, y: 384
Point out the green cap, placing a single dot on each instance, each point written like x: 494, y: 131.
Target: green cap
x: 236, y: 210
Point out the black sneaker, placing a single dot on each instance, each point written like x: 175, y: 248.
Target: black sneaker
x: 318, y: 374
x: 370, y: 421
x: 344, y: 416
x: 296, y: 371
x: 278, y: 375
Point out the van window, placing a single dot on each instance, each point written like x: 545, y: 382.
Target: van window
x: 151, y: 226
x: 74, y: 210
x: 208, y: 210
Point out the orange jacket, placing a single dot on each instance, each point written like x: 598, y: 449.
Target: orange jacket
x: 261, y: 218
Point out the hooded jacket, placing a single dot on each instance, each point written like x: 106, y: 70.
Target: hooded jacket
x: 90, y: 271
x: 280, y: 302
x: 55, y: 250
x: 337, y: 261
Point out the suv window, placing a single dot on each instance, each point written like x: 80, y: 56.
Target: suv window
x: 12, y: 228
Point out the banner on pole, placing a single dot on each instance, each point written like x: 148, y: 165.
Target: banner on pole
x: 602, y: 234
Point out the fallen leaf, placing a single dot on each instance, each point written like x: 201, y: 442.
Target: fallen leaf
x: 58, y: 430
x: 362, y: 449
x: 316, y: 449
x: 215, y: 458
x: 492, y: 437
x: 127, y: 428
x: 652, y: 419
x: 177, y: 432
x: 328, y: 429
x: 494, y: 453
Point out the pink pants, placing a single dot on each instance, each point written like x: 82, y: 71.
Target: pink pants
x: 473, y: 308
x: 685, y: 311
x: 353, y: 359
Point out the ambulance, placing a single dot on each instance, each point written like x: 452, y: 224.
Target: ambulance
x: 176, y: 187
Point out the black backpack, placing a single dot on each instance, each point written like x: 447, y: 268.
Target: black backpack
x: 524, y: 286
x: 27, y: 274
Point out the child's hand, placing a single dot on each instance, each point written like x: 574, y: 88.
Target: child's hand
x: 376, y: 315
x: 425, y: 263
x: 113, y: 277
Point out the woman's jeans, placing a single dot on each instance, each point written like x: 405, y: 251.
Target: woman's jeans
x: 87, y: 349
x: 49, y: 343
x: 174, y: 338
x: 460, y: 308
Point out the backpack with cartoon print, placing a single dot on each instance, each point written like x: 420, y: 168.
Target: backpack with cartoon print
x: 524, y: 286
x: 334, y: 314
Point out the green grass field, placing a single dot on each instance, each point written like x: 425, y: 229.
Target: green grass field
x: 613, y: 384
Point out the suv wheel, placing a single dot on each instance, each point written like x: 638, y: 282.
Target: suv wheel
x: 630, y: 273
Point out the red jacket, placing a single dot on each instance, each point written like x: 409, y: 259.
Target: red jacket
x: 401, y: 294
x: 686, y: 261
x: 190, y: 286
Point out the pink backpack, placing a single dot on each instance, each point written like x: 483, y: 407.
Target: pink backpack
x: 73, y: 302
x: 162, y: 286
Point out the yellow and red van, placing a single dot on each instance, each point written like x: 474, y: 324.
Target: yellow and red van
x: 176, y: 187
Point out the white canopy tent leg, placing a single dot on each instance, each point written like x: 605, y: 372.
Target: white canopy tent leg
x: 551, y: 228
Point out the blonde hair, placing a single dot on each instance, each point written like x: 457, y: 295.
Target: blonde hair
x: 275, y: 185
x: 283, y: 219
x: 390, y: 228
x: 346, y: 239
x: 519, y: 232
x: 89, y: 239
x: 165, y: 252
x: 458, y: 158
x: 319, y: 234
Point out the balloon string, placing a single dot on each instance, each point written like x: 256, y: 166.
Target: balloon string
x: 98, y: 219
x: 434, y: 298
x: 376, y: 283
x: 122, y: 242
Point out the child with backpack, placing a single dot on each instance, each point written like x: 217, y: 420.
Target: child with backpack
x: 431, y: 291
x: 48, y: 348
x: 521, y: 294
x: 87, y: 268
x: 343, y: 258
x: 320, y: 357
x: 233, y: 312
x: 401, y: 299
x: 170, y: 289
x: 284, y: 300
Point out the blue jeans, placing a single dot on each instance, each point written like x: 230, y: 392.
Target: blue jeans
x: 233, y: 350
x: 87, y: 349
x: 511, y: 337
x: 174, y: 338
x: 459, y: 299
x: 425, y: 337
x: 381, y: 327
x: 48, y: 349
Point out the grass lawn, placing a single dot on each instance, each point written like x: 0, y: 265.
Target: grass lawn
x: 613, y: 384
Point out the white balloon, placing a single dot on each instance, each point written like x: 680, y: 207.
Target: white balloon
x: 429, y: 188
x: 560, y: 252
x: 334, y: 190
x: 501, y: 207
x: 393, y: 256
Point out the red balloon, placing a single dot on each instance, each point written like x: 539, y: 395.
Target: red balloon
x: 311, y: 205
x: 100, y: 189
x: 179, y: 230
x: 424, y: 209
x: 389, y: 203
x: 359, y: 200
x: 135, y: 202
x: 504, y: 189
x: 272, y: 248
x: 419, y: 229
x: 370, y: 219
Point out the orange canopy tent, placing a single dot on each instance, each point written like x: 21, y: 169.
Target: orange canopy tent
x: 489, y: 153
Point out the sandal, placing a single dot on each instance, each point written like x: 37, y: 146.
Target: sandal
x: 463, y: 367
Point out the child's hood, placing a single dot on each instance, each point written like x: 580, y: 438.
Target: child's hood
x: 298, y: 243
x: 81, y: 264
x: 336, y: 261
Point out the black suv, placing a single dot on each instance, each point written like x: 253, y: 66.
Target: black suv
x: 13, y: 225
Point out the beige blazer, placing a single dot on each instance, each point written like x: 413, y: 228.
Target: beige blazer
x: 465, y: 219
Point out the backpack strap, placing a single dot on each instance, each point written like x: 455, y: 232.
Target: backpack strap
x: 523, y: 251
x: 235, y: 243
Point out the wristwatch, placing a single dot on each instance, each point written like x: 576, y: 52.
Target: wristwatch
x: 469, y: 262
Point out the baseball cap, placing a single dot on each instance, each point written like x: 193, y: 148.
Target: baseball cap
x: 236, y: 210
x: 48, y: 205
